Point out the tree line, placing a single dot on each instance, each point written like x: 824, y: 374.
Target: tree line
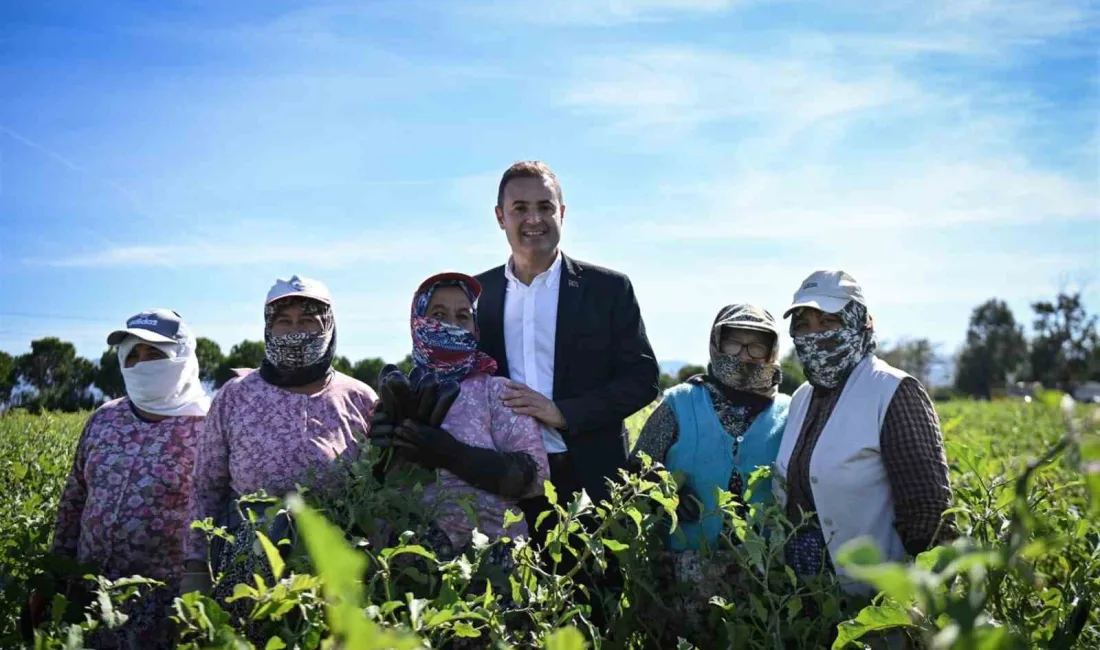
x: 1063, y: 352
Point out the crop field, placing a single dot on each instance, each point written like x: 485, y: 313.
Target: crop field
x: 1024, y: 570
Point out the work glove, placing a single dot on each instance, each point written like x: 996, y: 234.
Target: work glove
x: 428, y: 446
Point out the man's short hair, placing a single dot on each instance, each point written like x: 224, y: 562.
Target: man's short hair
x: 528, y: 169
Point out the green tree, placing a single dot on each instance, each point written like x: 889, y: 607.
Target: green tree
x: 1065, y: 348
x: 916, y: 357
x: 994, y: 350
x: 60, y: 378
x: 210, y: 358
x: 246, y: 354
x: 687, y: 372
x: 342, y: 364
x: 108, y: 376
x: 667, y: 381
x: 7, y: 376
x: 793, y: 375
x: 366, y: 371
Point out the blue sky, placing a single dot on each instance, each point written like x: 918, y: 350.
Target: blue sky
x: 186, y: 154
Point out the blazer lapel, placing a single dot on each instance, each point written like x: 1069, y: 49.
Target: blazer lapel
x: 490, y: 319
x: 570, y: 293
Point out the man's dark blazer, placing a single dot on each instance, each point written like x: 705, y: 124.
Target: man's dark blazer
x: 604, y: 368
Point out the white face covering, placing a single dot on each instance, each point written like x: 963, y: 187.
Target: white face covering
x: 169, y: 386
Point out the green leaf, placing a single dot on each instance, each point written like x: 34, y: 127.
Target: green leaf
x: 550, y: 492
x: 615, y: 546
x: 511, y: 518
x: 858, y: 552
x: 412, y: 549
x: 892, y: 579
x: 465, y: 630
x: 440, y: 617
x: 581, y: 504
x: 416, y: 608
x: 993, y: 638
x: 275, y: 643
x: 20, y: 471
x: 871, y: 619
x: 1090, y: 465
x: 273, y: 556
x: 479, y: 540
x: 567, y: 638
x: 341, y: 570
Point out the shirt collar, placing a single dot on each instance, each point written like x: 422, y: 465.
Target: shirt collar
x: 550, y: 276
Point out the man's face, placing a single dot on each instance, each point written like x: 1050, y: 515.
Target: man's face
x: 531, y: 215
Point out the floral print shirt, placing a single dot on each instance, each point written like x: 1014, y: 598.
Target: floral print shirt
x: 124, y: 507
x: 262, y: 437
x: 479, y: 418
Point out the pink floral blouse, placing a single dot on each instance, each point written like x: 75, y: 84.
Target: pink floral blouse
x: 262, y: 437
x: 124, y: 507
x: 479, y: 418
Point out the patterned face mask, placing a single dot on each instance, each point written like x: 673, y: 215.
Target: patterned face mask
x: 297, y: 350
x: 733, y: 371
x: 828, y: 357
x: 447, y: 350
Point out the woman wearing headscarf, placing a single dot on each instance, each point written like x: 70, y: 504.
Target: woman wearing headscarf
x: 289, y: 423
x: 484, y: 452
x: 124, y: 508
x: 862, y: 449
x: 716, y: 429
x: 720, y: 426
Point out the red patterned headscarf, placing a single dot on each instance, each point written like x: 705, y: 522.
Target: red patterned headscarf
x: 447, y: 350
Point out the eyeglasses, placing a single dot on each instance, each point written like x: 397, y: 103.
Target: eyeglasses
x: 756, y: 350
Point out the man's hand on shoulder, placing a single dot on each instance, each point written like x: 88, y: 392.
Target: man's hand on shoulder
x: 526, y: 401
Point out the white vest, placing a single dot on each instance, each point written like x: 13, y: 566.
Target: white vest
x: 847, y: 477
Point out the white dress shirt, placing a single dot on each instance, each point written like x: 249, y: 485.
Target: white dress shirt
x: 530, y: 327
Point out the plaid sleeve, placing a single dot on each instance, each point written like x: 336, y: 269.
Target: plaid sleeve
x: 912, y: 451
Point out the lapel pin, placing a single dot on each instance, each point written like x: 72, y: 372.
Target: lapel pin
x: 574, y: 284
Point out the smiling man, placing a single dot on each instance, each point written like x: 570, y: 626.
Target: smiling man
x: 569, y: 336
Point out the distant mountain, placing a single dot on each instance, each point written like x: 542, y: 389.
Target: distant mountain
x: 673, y: 367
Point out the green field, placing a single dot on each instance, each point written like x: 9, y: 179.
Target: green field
x: 1026, y: 572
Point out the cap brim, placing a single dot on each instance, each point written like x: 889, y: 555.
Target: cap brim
x: 827, y: 304
x: 118, y: 336
x: 468, y: 280
x: 300, y: 294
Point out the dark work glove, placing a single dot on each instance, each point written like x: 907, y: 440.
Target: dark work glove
x: 381, y: 428
x: 426, y: 445
x: 395, y: 394
x: 690, y: 506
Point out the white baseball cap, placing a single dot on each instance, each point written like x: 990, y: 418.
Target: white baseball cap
x: 827, y: 290
x: 299, y: 287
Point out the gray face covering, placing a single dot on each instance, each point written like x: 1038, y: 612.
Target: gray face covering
x: 760, y: 378
x: 828, y: 357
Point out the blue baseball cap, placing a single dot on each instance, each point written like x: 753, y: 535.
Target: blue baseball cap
x: 152, y: 326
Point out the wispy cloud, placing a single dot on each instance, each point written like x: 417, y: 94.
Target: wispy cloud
x: 670, y: 87
x: 594, y: 12
x: 832, y: 203
x: 126, y: 193
x: 331, y: 251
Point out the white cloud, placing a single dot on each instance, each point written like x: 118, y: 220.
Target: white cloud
x: 670, y: 87
x: 599, y: 13
x: 830, y: 203
x: 332, y: 250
